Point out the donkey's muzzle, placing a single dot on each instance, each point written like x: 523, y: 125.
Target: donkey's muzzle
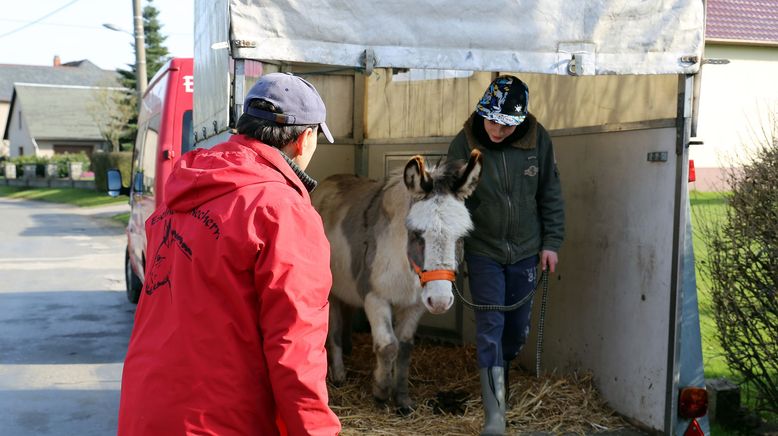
x: 437, y: 296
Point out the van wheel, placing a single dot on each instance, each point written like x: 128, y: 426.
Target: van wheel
x: 132, y: 282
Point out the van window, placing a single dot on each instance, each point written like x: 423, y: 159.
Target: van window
x: 187, y: 135
x: 137, y: 153
x: 150, y: 153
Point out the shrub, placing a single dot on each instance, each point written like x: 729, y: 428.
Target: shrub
x: 62, y: 161
x: 743, y: 269
x: 102, y: 162
x: 39, y: 162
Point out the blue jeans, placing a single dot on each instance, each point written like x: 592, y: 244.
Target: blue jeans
x: 501, y: 335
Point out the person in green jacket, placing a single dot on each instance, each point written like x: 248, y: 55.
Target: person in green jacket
x: 518, y: 216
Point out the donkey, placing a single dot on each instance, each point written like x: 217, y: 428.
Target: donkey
x: 395, y: 247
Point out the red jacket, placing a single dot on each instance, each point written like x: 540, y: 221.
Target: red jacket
x: 229, y: 331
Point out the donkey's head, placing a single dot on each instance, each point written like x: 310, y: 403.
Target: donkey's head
x: 437, y: 222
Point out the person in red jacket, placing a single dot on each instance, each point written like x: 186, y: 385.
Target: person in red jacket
x: 230, y: 328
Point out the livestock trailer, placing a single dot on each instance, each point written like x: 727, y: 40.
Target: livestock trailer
x: 613, y: 82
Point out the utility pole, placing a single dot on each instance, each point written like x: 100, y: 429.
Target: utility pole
x: 140, y: 51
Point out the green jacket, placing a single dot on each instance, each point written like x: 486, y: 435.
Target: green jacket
x: 517, y: 208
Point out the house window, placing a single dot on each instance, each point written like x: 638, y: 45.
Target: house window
x: 21, y: 151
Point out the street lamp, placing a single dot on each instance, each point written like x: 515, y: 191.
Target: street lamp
x: 116, y: 28
x: 141, y: 81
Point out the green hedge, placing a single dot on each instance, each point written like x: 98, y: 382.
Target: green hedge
x: 40, y: 162
x: 102, y: 162
x: 64, y: 159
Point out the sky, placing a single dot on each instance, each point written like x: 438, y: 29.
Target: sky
x: 76, y: 31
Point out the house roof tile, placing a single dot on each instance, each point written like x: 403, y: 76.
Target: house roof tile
x: 81, y: 72
x: 61, y: 112
x: 742, y: 20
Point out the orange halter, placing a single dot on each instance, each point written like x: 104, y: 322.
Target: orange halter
x: 435, y: 274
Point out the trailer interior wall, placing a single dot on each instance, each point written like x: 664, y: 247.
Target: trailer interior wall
x: 609, y: 306
x: 608, y: 310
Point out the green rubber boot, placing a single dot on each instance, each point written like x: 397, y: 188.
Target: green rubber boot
x: 493, y: 395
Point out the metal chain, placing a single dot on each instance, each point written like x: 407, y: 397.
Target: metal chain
x: 499, y: 308
x: 541, y: 322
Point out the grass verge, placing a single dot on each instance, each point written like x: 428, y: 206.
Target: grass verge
x: 123, y: 218
x: 76, y: 197
x: 707, y: 207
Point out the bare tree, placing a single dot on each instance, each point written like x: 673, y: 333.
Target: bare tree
x: 111, y: 115
x: 742, y: 267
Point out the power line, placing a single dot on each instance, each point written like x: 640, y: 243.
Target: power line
x: 37, y: 20
x: 77, y: 26
x: 83, y: 26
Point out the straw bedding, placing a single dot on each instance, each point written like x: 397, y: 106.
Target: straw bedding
x: 444, y: 383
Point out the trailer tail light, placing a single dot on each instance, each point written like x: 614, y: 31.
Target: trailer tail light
x: 692, y: 172
x: 693, y: 402
x: 694, y: 429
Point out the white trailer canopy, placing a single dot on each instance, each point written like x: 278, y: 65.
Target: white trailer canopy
x: 607, y: 36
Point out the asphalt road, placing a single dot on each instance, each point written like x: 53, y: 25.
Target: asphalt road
x: 64, y: 318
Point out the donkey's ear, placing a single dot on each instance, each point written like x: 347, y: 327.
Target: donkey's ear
x: 416, y: 177
x: 470, y: 175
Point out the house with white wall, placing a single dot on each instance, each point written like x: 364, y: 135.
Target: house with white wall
x: 739, y: 87
x: 81, y: 73
x: 49, y: 119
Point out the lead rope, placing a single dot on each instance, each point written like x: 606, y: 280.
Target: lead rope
x: 541, y: 322
x: 500, y: 308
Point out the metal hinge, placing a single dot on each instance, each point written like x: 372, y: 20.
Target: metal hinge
x: 575, y: 66
x: 368, y: 61
x: 715, y: 61
x: 576, y: 58
x: 244, y: 43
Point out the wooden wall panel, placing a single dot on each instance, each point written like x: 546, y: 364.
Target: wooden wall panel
x: 420, y: 103
x: 337, y: 91
x: 564, y: 102
x: 435, y: 103
x: 431, y: 104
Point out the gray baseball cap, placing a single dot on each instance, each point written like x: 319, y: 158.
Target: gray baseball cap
x: 295, y: 97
